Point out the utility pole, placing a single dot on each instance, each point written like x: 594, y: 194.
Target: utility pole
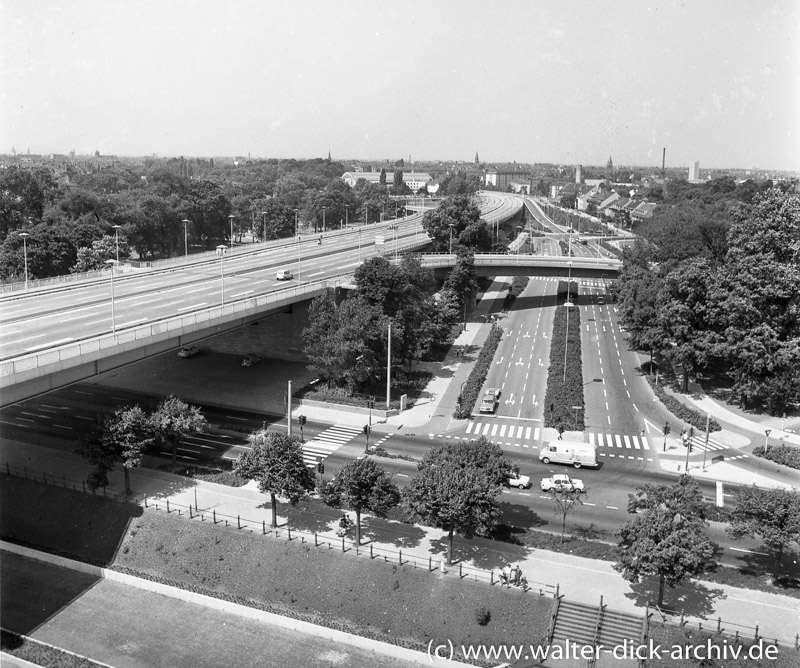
x: 289, y: 409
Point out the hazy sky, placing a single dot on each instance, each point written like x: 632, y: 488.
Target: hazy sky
x: 525, y: 80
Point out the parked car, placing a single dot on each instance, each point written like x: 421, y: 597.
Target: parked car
x: 562, y: 483
x: 284, y: 275
x: 250, y: 360
x: 188, y: 351
x: 518, y: 481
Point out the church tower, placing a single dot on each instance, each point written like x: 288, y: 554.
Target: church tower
x: 610, y: 165
x: 476, y: 159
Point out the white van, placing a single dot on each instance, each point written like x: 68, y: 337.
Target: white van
x: 284, y: 275
x: 575, y: 453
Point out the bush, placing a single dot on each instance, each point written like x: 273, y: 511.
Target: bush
x: 780, y: 454
x: 560, y: 395
x: 682, y: 411
x: 472, y: 387
x: 483, y: 615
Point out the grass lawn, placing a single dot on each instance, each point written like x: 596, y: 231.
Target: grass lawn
x: 386, y: 601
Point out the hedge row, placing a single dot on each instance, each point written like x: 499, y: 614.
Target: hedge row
x: 780, y: 454
x: 682, y: 411
x: 29, y: 649
x: 517, y: 286
x: 472, y: 387
x: 561, y: 395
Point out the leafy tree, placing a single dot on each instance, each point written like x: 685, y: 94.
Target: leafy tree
x: 91, y: 259
x: 457, y: 489
x: 667, y: 538
x: 276, y: 462
x: 771, y: 514
x: 683, y: 307
x: 758, y: 300
x: 174, y: 420
x: 383, y: 177
x: 362, y: 485
x: 121, y: 437
x: 208, y: 208
x: 398, y: 178
x: 459, y: 211
x: 344, y: 344
x: 23, y: 195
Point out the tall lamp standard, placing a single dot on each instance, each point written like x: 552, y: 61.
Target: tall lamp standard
x: 185, y: 222
x: 451, y: 238
x: 24, y: 236
x: 324, y: 209
x: 116, y: 238
x: 567, y: 305
x: 346, y: 215
x: 111, y: 264
x: 221, y: 252
x: 296, y: 211
x: 231, y: 217
x: 264, y: 214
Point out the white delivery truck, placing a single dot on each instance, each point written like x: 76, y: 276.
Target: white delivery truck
x: 574, y: 453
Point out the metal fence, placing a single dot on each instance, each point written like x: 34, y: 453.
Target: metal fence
x: 344, y: 544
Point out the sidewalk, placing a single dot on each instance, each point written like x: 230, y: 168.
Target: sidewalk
x: 579, y: 579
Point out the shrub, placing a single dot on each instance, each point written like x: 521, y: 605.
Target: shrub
x: 780, y: 454
x: 483, y: 615
x: 472, y: 387
x: 561, y: 395
x: 682, y: 411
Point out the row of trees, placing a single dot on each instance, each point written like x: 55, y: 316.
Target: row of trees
x: 457, y: 488
x: 149, y: 204
x: 123, y: 436
x: 734, y: 307
x: 668, y: 538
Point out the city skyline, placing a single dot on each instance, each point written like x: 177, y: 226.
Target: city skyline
x: 563, y: 83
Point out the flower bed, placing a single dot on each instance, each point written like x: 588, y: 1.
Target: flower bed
x: 473, y: 385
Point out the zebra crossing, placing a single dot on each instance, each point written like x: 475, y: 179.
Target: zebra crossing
x: 327, y: 442
x: 619, y: 441
x: 499, y: 430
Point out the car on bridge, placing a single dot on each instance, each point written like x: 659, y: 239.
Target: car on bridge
x: 562, y: 483
x: 188, y: 351
x: 284, y: 275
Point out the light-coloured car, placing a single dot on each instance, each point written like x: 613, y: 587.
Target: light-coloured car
x: 284, y: 275
x: 250, y: 360
x: 518, y: 481
x: 562, y: 483
x: 188, y: 351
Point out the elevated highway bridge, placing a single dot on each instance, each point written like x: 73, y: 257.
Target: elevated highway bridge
x: 59, y: 333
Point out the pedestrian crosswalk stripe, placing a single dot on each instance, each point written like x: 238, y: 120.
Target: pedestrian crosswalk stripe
x: 326, y: 443
x: 502, y: 430
x: 527, y: 432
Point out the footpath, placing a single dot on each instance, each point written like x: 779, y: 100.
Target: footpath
x: 578, y: 579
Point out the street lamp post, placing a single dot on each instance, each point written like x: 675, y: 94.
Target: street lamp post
x: 24, y: 236
x: 231, y: 217
x: 346, y: 215
x: 264, y: 214
x: 221, y: 252
x: 296, y: 211
x: 116, y: 238
x: 451, y: 238
x: 111, y: 264
x: 567, y: 304
x: 186, y: 222
x: 324, y: 209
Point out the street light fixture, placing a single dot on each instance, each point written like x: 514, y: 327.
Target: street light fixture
x: 324, y: 209
x: 221, y: 252
x: 111, y: 264
x: 296, y: 211
x: 231, y: 217
x: 186, y: 222
x: 24, y: 236
x: 116, y: 238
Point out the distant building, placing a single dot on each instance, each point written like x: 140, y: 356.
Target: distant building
x: 694, y: 171
x: 503, y: 179
x: 414, y: 180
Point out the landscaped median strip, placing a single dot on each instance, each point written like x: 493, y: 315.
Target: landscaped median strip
x: 229, y: 607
